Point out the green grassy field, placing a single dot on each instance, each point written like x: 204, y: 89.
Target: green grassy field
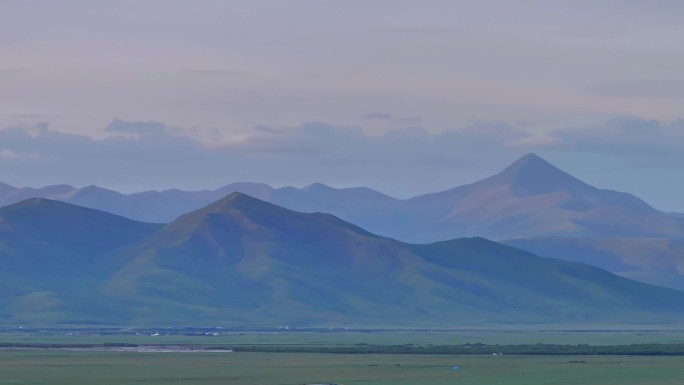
x: 62, y: 367
x: 114, y: 368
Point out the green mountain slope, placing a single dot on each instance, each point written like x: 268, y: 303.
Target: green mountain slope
x: 50, y: 256
x: 245, y: 261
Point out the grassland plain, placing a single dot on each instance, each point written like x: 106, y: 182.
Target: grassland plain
x: 350, y: 338
x: 117, y: 368
x: 249, y: 368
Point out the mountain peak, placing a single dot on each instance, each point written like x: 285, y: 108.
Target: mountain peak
x: 49, y: 206
x: 237, y: 197
x: 532, y: 174
x: 257, y: 190
x: 43, y: 212
x: 36, y: 201
x: 246, y: 212
x: 5, y: 188
x: 315, y: 186
x: 237, y: 201
x: 530, y: 162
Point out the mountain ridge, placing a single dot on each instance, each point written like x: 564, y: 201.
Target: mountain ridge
x: 281, y: 260
x: 529, y: 199
x: 245, y: 261
x: 527, y: 177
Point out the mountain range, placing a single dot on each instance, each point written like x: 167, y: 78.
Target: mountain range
x: 530, y: 198
x: 244, y: 261
x: 531, y: 204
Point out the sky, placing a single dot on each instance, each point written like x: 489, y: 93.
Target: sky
x: 406, y: 97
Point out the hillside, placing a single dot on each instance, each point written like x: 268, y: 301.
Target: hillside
x: 51, y: 255
x: 249, y: 261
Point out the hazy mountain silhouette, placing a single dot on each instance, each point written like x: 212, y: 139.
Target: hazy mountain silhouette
x: 146, y: 206
x: 530, y: 198
x: 6, y: 189
x: 658, y: 261
x: 549, y: 212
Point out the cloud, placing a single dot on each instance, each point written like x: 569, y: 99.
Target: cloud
x: 140, y: 128
x: 11, y: 155
x: 413, y: 134
x: 153, y: 151
x: 402, y: 162
x: 392, y: 120
x: 30, y: 116
x: 378, y: 116
x: 13, y: 71
x: 152, y: 155
x: 640, y: 156
x: 307, y: 139
x: 645, y: 88
x: 269, y: 130
x: 327, y: 137
x: 424, y: 30
x: 53, y: 156
x: 212, y: 72
x: 497, y: 131
x: 625, y: 135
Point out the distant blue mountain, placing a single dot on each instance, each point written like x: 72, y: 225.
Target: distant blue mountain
x: 530, y: 198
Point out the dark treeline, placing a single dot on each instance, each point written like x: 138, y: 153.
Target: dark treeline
x: 38, y: 345
x: 536, y: 349
x: 477, y: 348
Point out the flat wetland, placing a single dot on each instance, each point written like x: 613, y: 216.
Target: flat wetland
x: 57, y: 366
